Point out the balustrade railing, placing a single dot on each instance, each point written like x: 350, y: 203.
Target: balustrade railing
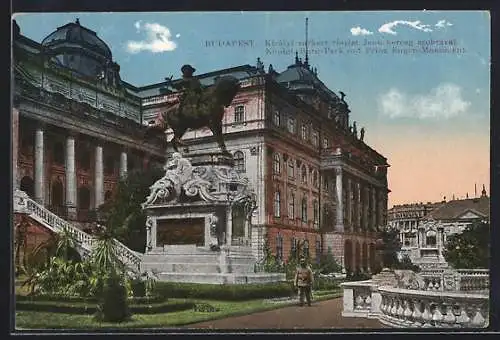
x: 57, y: 224
x: 413, y: 308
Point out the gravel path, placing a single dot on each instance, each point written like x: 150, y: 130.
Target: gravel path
x: 323, y: 314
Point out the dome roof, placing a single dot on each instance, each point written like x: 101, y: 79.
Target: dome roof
x: 75, y: 34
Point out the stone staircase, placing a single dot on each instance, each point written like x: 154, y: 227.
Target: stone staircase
x: 24, y: 204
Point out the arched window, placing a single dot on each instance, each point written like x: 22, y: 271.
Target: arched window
x: 277, y: 118
x: 279, y: 247
x: 277, y: 204
x: 325, y: 184
x: 315, y: 179
x: 291, y: 125
x: 303, y: 174
x: 58, y: 151
x: 291, y: 206
x: 84, y: 159
x: 315, y: 139
x: 318, y: 250
x: 316, y: 212
x: 109, y: 165
x: 430, y: 238
x: 276, y: 164
x: 27, y: 185
x: 239, y: 161
x: 304, y: 209
x: 291, y: 169
x: 305, y: 248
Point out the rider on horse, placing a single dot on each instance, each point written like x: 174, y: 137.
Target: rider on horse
x: 190, y: 86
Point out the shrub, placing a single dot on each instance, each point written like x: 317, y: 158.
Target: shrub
x: 328, y: 264
x: 323, y: 283
x: 113, y: 306
x: 357, y: 276
x: 230, y: 292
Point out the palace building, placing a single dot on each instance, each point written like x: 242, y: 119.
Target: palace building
x: 424, y: 228
x: 78, y: 129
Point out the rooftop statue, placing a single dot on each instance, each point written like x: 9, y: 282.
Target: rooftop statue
x: 198, y: 106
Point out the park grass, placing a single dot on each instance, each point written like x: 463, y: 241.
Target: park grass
x: 27, y: 320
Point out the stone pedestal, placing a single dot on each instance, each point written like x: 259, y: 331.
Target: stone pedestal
x: 192, y: 213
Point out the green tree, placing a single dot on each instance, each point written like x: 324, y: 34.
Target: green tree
x: 390, y: 247
x: 469, y: 249
x: 123, y: 213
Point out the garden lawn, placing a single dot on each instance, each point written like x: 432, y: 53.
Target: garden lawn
x: 42, y: 320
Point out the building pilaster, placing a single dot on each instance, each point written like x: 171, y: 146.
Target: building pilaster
x: 123, y: 165
x: 340, y: 202
x: 39, y: 165
x: 71, y: 195
x: 99, y: 177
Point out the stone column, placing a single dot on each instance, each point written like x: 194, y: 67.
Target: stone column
x: 340, y: 202
x: 349, y: 203
x: 15, y: 147
x: 373, y: 216
x: 358, y: 205
x: 70, y: 177
x: 123, y: 165
x: 39, y: 166
x: 98, y: 178
x: 229, y: 225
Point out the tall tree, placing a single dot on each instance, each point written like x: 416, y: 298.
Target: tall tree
x: 469, y: 249
x: 122, y: 214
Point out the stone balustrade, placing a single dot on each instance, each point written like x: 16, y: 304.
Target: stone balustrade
x: 448, y: 299
x: 412, y: 308
x: 24, y: 204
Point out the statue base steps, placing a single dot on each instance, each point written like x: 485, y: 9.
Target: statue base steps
x: 231, y: 278
x: 188, y: 263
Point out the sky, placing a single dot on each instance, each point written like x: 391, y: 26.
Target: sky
x: 427, y: 112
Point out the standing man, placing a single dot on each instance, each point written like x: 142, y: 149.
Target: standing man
x: 304, y: 279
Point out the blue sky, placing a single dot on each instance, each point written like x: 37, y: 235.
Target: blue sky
x: 441, y: 95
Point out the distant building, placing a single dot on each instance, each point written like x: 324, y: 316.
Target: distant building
x: 424, y: 238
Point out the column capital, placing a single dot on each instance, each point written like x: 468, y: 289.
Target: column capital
x: 338, y: 171
x: 72, y: 133
x: 40, y: 125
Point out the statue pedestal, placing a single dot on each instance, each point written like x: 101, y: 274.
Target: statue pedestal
x: 198, y: 222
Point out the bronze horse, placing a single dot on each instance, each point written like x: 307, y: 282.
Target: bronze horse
x: 208, y: 111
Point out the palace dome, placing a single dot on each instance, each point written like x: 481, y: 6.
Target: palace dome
x: 78, y: 48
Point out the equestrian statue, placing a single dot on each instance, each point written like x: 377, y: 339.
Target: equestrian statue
x: 197, y: 107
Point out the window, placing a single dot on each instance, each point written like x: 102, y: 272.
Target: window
x: 239, y: 161
x: 325, y: 143
x: 279, y: 247
x: 131, y: 164
x: 316, y: 212
x: 315, y: 139
x: 239, y: 114
x: 276, y: 164
x: 325, y: 184
x: 291, y: 206
x: 291, y: 125
x: 304, y: 132
x: 291, y: 169
x: 315, y: 178
x: 304, y: 209
x: 430, y: 238
x: 293, y: 244
x: 303, y: 174
x: 58, y: 153
x: 277, y: 118
x: 84, y: 159
x: 305, y: 249
x: 318, y: 250
x: 277, y: 204
x: 109, y: 165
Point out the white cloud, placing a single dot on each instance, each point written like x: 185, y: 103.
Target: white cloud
x: 158, y: 39
x: 478, y: 90
x: 178, y: 35
x: 443, y: 23
x: 444, y: 101
x: 389, y: 27
x: 360, y: 31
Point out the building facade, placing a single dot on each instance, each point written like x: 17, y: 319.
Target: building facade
x: 423, y: 238
x: 316, y: 180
